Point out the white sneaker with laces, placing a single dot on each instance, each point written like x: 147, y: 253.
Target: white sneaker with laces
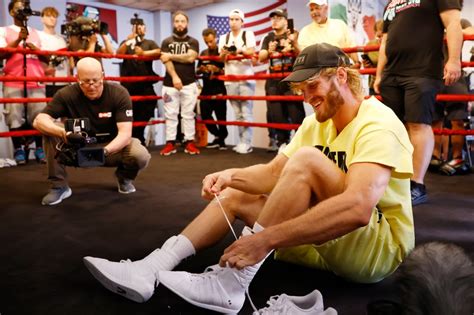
x: 283, y: 304
x: 218, y: 289
x: 135, y: 280
x: 244, y: 148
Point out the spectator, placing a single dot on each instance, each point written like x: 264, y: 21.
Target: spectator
x: 451, y: 115
x: 410, y: 69
x: 178, y: 53
x: 212, y: 86
x: 137, y: 44
x: 277, y: 42
x: 109, y: 110
x: 18, y: 36
x: 370, y: 59
x: 326, y: 30
x: 57, y: 65
x: 239, y: 43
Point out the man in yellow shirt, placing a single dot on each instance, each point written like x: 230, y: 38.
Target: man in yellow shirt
x: 337, y: 198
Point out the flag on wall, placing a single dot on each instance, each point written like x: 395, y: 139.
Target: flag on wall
x: 256, y: 21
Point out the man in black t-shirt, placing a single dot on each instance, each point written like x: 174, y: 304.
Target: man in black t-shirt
x: 109, y: 110
x: 178, y: 53
x: 410, y: 69
x: 137, y: 44
x: 277, y: 42
x: 212, y: 86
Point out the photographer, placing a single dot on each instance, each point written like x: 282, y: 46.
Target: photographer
x: 280, y: 40
x: 57, y: 66
x: 109, y: 110
x: 19, y: 35
x: 82, y: 33
x: 136, y: 44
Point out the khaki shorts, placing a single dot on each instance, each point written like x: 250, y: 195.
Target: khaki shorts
x: 366, y: 255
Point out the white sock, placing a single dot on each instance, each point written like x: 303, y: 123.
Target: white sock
x: 173, y: 251
x: 257, y: 227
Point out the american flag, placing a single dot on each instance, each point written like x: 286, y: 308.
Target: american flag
x: 256, y: 21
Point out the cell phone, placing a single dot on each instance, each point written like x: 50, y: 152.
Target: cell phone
x: 366, y: 58
x: 291, y: 26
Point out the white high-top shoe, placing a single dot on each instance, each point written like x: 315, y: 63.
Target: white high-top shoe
x: 134, y: 280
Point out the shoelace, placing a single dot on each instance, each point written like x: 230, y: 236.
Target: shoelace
x: 274, y: 304
x: 235, y: 235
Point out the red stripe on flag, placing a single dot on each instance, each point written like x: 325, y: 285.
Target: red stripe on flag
x: 261, y: 21
x: 263, y: 31
x: 265, y: 9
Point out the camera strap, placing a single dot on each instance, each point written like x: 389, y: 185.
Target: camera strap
x: 244, y: 38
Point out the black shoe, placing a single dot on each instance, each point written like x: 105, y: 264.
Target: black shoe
x: 222, y: 146
x: 435, y: 164
x: 214, y: 144
x: 418, y: 193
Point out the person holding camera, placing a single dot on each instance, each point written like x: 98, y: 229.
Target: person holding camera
x: 180, y: 91
x: 280, y: 41
x: 108, y: 108
x: 137, y: 44
x: 212, y: 86
x: 239, y: 43
x: 19, y: 35
x: 57, y: 65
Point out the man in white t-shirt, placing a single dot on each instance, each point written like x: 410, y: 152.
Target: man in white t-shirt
x: 57, y: 66
x: 239, y: 42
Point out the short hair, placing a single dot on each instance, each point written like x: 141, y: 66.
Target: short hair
x: 378, y: 25
x: 209, y: 31
x: 50, y: 11
x: 12, y: 3
x: 179, y: 12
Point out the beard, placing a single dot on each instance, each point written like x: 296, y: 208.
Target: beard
x: 334, y: 101
x: 180, y: 33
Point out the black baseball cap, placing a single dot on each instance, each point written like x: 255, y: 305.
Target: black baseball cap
x: 313, y: 59
x: 279, y: 12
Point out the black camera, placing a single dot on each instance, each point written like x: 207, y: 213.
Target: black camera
x: 136, y: 21
x: 80, y: 149
x: 25, y: 12
x: 55, y: 60
x: 84, y: 27
x: 232, y: 49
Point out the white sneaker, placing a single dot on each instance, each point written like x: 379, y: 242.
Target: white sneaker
x: 219, y: 289
x: 125, y: 278
x: 311, y: 303
x: 243, y: 148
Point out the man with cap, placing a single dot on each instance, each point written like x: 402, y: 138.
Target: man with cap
x: 137, y: 44
x: 325, y: 30
x: 239, y: 42
x: 277, y: 42
x: 337, y: 199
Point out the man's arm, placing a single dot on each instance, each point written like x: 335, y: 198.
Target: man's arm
x: 177, y: 83
x: 380, y: 64
x: 123, y: 138
x: 452, y: 23
x: 44, y: 123
x: 255, y: 179
x: 188, y: 57
x: 365, y: 184
x: 108, y: 49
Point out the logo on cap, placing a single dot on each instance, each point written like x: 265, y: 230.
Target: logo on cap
x: 299, y: 61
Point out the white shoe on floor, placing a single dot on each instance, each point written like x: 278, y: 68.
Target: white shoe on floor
x: 283, y: 304
x: 217, y: 289
x: 126, y: 278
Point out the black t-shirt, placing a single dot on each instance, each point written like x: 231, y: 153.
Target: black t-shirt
x: 104, y: 113
x: 131, y: 67
x: 415, y: 37
x: 180, y: 46
x: 284, y: 64
x: 211, y: 87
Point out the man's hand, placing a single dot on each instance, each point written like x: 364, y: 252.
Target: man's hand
x: 215, y: 183
x: 246, y: 251
x: 377, y: 84
x: 177, y: 83
x: 138, y: 51
x: 165, y: 57
x: 452, y: 72
x: 31, y: 46
x: 23, y: 34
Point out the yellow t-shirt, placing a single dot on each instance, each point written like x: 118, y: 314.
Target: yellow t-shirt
x: 334, y: 32
x: 375, y: 135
